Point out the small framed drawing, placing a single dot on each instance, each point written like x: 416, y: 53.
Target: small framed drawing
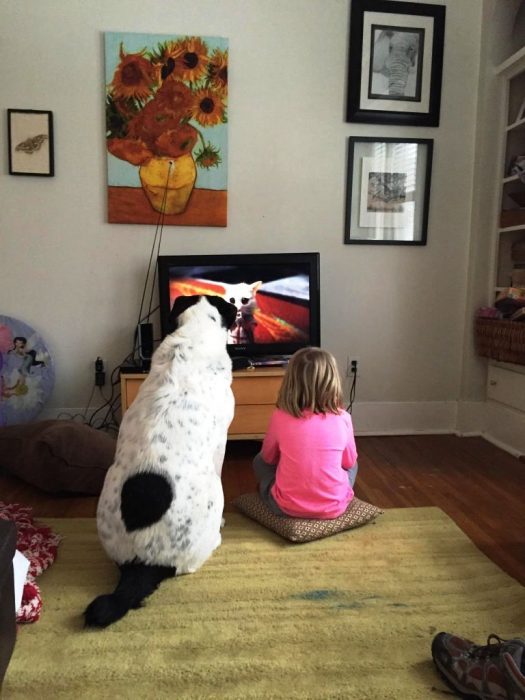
x: 388, y: 190
x: 30, y: 140
x: 396, y: 63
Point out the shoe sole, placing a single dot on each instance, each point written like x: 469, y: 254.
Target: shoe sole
x: 464, y: 694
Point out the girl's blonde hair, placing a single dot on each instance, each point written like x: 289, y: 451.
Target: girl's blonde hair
x: 311, y: 383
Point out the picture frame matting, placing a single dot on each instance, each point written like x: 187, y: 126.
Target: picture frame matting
x: 30, y: 142
x: 388, y: 190
x: 395, y: 63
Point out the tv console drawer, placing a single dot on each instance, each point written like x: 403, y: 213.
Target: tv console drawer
x: 250, y: 421
x: 255, y: 389
x: 255, y: 392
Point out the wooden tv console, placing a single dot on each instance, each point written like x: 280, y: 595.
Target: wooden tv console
x: 255, y: 392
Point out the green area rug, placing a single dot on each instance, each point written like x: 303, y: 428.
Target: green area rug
x: 351, y: 616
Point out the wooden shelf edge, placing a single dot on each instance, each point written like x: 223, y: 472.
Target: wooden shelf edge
x: 516, y: 124
x: 512, y: 63
x: 511, y: 228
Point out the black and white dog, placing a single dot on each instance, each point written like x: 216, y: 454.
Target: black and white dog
x: 160, y: 509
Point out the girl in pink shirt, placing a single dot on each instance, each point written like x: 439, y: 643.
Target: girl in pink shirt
x: 307, y: 465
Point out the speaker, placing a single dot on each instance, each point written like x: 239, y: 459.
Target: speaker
x: 145, y: 342
x: 240, y: 363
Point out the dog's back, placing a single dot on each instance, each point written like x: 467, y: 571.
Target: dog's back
x: 162, y: 500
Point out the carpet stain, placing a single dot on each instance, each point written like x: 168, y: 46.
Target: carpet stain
x: 334, y: 596
x: 321, y: 594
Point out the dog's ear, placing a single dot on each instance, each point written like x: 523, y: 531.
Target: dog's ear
x: 227, y: 311
x: 180, y: 305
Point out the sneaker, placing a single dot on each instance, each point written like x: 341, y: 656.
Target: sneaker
x: 491, y: 672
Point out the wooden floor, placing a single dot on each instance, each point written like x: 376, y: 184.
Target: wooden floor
x: 478, y: 485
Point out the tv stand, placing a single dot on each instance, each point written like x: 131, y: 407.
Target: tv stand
x: 255, y: 390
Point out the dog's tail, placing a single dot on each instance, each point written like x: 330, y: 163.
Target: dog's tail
x: 137, y: 581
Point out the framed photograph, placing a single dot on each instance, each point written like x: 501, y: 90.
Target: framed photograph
x: 388, y: 190
x: 30, y: 141
x: 395, y: 64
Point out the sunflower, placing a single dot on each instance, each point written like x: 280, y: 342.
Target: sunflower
x: 177, y: 142
x: 175, y: 96
x: 218, y: 70
x: 134, y: 77
x: 134, y: 151
x: 208, y: 157
x: 192, y: 61
x: 166, y: 58
x: 151, y: 122
x: 208, y: 108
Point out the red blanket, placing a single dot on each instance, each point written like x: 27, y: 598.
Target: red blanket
x: 39, y: 544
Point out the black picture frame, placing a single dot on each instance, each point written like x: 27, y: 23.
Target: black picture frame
x: 30, y: 142
x: 404, y: 41
x: 388, y: 190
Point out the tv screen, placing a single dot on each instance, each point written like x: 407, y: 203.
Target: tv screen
x: 276, y: 295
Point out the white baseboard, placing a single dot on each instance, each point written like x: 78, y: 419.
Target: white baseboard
x: 471, y: 418
x: 407, y: 418
x: 497, y: 423
x: 505, y: 428
x: 70, y: 413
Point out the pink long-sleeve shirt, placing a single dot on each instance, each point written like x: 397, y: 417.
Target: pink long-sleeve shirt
x: 312, y: 454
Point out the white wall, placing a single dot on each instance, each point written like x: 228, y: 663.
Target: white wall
x: 78, y: 280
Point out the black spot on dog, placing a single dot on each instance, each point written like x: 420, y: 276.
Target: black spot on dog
x: 180, y: 305
x: 227, y: 311
x: 145, y: 498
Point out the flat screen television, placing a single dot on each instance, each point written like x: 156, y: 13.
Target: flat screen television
x: 276, y: 294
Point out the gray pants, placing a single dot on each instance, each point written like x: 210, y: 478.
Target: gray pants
x: 265, y: 474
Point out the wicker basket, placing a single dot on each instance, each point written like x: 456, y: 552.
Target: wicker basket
x: 500, y: 340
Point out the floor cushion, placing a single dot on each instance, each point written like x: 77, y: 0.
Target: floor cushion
x: 306, y: 529
x: 57, y: 455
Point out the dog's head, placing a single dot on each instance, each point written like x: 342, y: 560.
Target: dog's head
x: 225, y: 312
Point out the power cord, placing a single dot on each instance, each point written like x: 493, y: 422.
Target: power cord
x: 353, y: 386
x: 110, y: 420
x: 157, y: 240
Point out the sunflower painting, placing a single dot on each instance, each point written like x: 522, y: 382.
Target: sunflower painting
x: 166, y: 129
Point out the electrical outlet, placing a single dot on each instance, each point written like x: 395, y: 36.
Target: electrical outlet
x: 100, y: 375
x: 352, y: 367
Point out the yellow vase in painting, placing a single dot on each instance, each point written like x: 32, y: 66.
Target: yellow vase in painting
x: 168, y: 182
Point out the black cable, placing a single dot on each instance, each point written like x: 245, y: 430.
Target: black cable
x: 107, y: 422
x: 352, y: 392
x: 158, y: 234
x: 111, y: 400
x: 147, y: 273
x: 149, y: 313
x: 89, y: 401
x: 112, y: 404
x: 161, y: 220
x: 104, y: 421
x: 83, y: 415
